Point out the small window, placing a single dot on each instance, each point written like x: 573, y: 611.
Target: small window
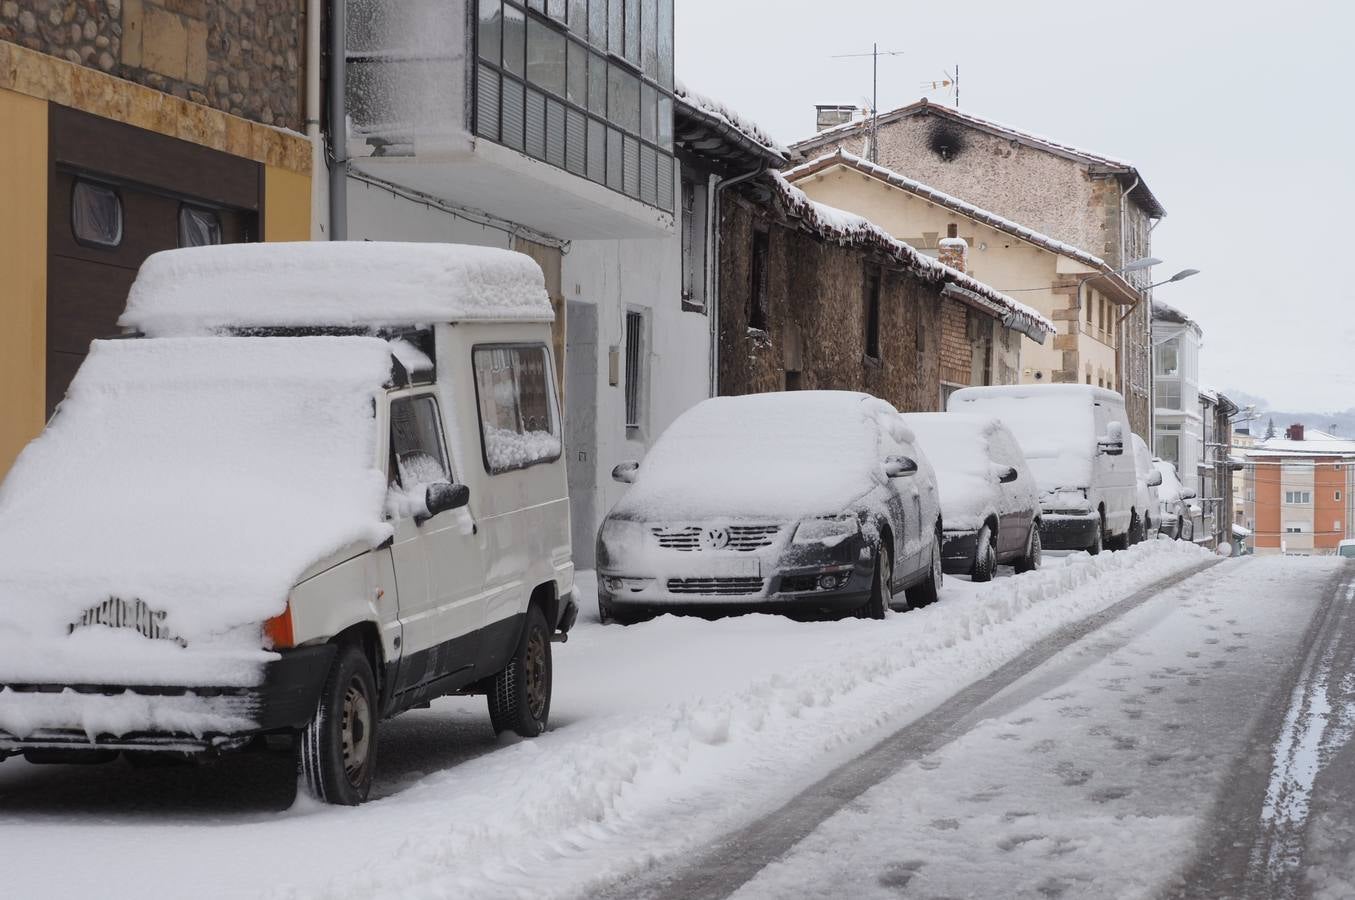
x: 1338, y: 495
x: 873, y: 312
x: 418, y: 454
x: 635, y: 369
x: 96, y: 214
x: 757, y: 296
x: 518, y: 423
x: 198, y: 227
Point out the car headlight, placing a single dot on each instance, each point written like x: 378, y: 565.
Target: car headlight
x: 827, y: 530
x: 620, y: 534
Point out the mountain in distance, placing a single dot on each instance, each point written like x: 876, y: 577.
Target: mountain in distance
x: 1341, y: 424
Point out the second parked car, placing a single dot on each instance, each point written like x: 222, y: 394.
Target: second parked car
x: 814, y: 501
x: 989, y: 501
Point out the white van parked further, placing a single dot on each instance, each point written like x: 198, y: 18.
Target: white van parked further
x: 1075, y: 439
x: 321, y: 484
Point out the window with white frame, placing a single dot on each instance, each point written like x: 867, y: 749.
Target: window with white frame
x: 1168, y: 394
x: 1298, y: 498
x: 1295, y: 527
x: 1167, y: 359
x: 694, y: 233
x: 518, y: 421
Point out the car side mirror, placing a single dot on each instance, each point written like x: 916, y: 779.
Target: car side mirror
x: 443, y: 497
x: 899, y: 466
x: 626, y: 472
x: 1188, y: 494
x: 1007, y: 475
x: 1113, y: 443
x: 1154, y: 479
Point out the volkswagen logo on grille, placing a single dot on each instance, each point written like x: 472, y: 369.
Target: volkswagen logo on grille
x: 717, y: 538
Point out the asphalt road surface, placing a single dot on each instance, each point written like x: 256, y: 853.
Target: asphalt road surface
x: 1194, y: 740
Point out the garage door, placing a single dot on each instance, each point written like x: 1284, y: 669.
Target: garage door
x: 117, y: 194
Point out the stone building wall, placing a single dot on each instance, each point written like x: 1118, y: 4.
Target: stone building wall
x: 245, y: 57
x: 816, y: 318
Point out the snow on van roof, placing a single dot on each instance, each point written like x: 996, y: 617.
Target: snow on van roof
x: 199, y: 476
x: 344, y: 284
x: 777, y: 457
x: 1039, y: 391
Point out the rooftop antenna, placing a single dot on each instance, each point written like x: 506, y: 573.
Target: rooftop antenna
x: 874, y: 54
x: 950, y: 81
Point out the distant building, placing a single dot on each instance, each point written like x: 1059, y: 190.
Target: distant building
x: 1045, y: 273
x: 1096, y: 203
x: 1298, y: 492
x: 1216, y: 469
x: 1178, y: 425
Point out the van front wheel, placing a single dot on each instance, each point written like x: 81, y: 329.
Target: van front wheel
x: 336, y: 752
x: 519, y: 697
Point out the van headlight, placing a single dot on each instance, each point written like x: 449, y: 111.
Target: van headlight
x: 827, y: 530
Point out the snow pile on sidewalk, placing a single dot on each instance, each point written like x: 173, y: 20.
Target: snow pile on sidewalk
x: 342, y: 284
x: 670, y: 732
x: 190, y: 481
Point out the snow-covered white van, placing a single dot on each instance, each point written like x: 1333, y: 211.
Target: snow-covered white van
x: 1074, y: 437
x: 319, y: 484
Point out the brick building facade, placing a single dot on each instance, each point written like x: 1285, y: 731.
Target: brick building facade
x: 810, y: 303
x: 1095, y: 203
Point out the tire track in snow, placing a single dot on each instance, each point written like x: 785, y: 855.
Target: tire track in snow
x: 724, y: 867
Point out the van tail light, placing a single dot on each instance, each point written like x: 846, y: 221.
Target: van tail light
x: 277, y: 631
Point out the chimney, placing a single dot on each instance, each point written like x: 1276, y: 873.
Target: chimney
x: 1294, y: 433
x: 954, y: 250
x: 833, y: 115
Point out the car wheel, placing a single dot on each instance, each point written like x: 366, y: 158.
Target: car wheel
x: 519, y: 698
x: 1098, y: 542
x: 930, y: 589
x: 336, y: 753
x: 881, y: 592
x: 985, y: 555
x: 1135, y: 535
x: 1034, y: 552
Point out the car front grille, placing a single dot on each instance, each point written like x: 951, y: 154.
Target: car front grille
x: 118, y: 613
x: 691, y: 538
x: 723, y: 587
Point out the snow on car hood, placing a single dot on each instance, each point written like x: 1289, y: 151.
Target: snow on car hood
x: 779, y: 456
x: 199, y: 477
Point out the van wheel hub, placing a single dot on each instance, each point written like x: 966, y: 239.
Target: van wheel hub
x: 357, y: 729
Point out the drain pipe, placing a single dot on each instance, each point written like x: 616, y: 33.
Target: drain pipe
x: 715, y: 294
x: 338, y: 121
x: 314, y: 107
x: 1124, y: 357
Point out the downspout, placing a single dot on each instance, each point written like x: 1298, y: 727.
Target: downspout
x: 314, y: 15
x: 1124, y: 357
x: 338, y: 121
x: 715, y: 294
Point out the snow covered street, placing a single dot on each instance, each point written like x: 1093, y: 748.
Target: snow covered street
x: 666, y: 736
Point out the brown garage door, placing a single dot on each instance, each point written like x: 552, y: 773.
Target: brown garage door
x: 117, y: 194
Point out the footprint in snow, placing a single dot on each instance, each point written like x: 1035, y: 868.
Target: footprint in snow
x: 1106, y: 795
x: 1072, y: 775
x: 1011, y: 843
x: 897, y: 875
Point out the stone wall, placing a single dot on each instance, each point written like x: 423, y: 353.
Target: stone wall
x: 245, y: 57
x: 816, y: 317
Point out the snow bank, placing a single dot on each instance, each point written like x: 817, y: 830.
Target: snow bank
x: 346, y: 284
x: 962, y: 449
x: 200, y: 476
x: 781, y: 456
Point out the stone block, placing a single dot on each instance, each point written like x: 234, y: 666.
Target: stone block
x: 1065, y: 342
x: 133, y: 22
x: 196, y: 65
x: 164, y: 43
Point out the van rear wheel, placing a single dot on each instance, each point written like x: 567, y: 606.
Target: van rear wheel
x: 519, y: 697
x: 336, y: 752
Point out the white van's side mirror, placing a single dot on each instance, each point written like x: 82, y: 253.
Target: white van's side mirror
x: 626, y: 472
x: 1154, y: 479
x: 443, y: 497
x: 1113, y: 443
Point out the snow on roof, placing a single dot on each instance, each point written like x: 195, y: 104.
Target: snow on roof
x: 924, y: 107
x: 359, y: 284
x: 1314, y: 443
x: 199, y: 476
x: 1165, y: 312
x: 753, y: 456
x: 993, y: 220
x: 1240, y: 531
x: 746, y: 127
x: 847, y: 228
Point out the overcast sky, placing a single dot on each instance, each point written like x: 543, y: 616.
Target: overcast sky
x: 1239, y: 121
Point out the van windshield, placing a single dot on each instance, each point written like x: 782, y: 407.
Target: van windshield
x: 1057, y: 434
x: 1347, y: 550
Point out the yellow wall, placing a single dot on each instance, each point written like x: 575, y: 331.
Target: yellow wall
x: 286, y: 205
x: 23, y: 271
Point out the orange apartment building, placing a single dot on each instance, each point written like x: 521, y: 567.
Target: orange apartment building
x: 1298, y: 493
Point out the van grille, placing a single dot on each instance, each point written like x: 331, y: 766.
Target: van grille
x: 742, y: 538
x: 723, y: 587
x: 118, y: 613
